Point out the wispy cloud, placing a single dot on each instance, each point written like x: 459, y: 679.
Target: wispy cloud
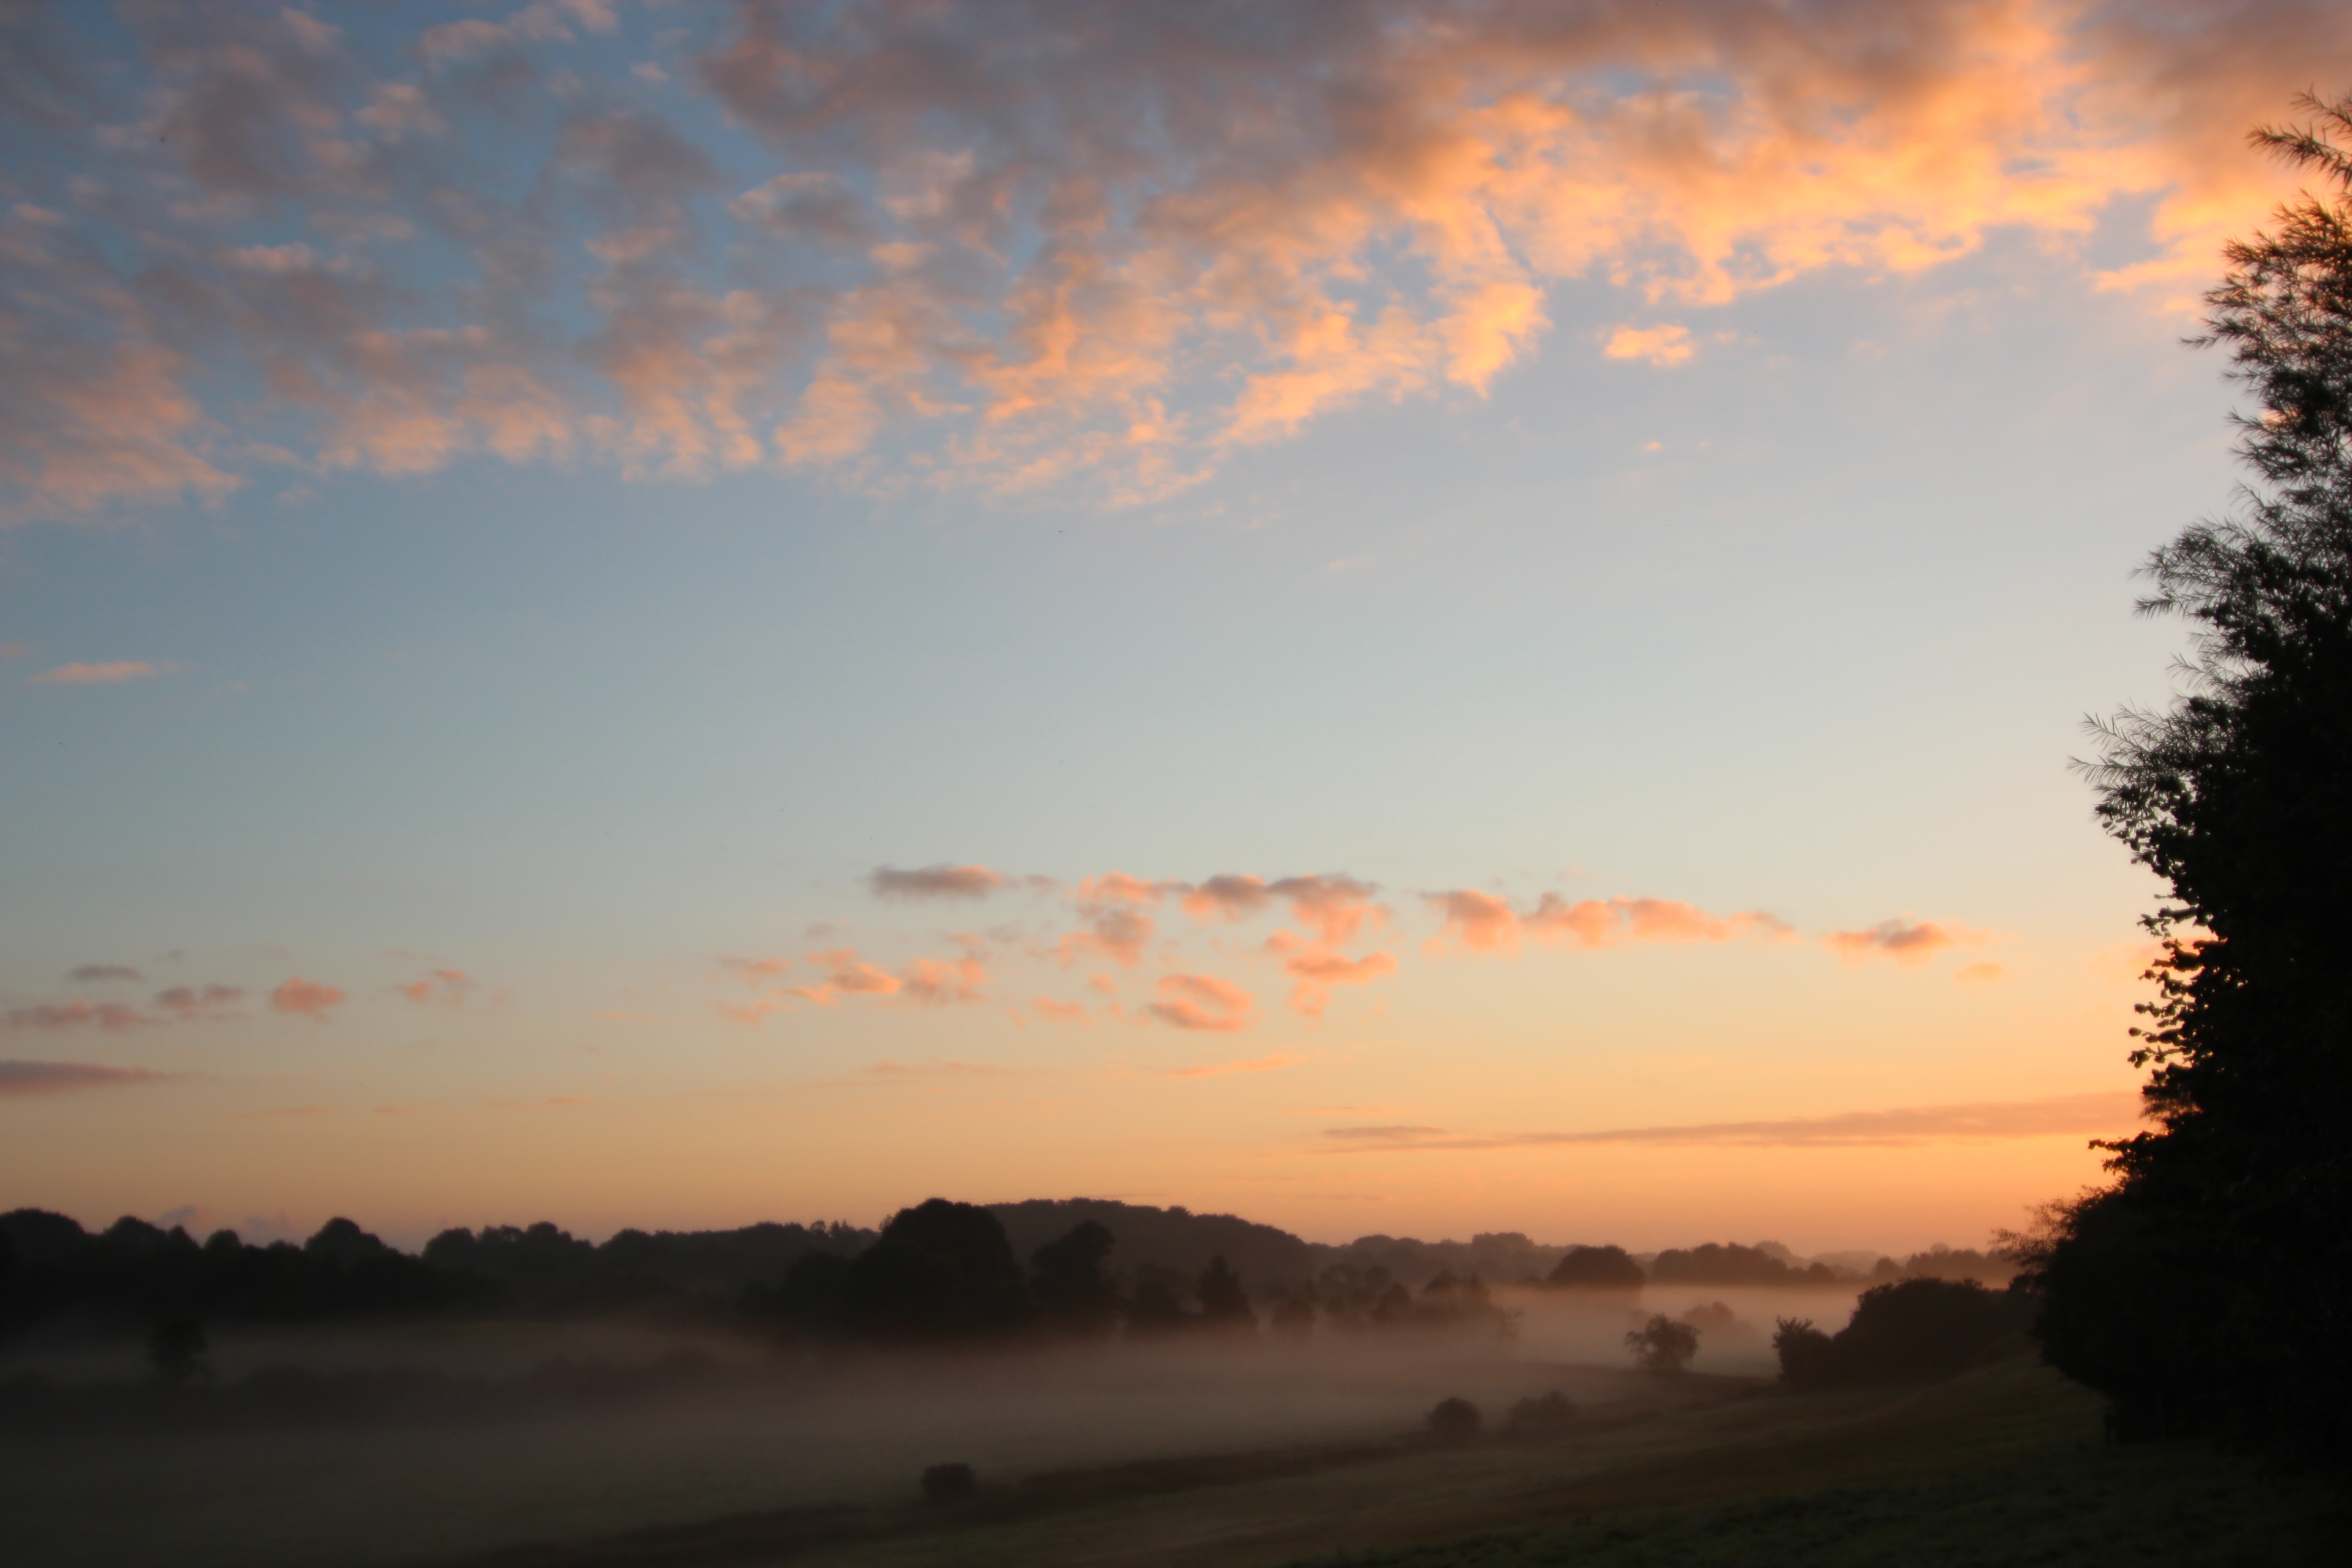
x: 940, y: 881
x: 1905, y: 941
x: 94, y: 974
x: 59, y: 1017
x: 2107, y: 1112
x: 1202, y: 1002
x: 28, y: 1078
x: 112, y: 673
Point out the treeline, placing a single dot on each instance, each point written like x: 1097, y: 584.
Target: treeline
x: 133, y: 1275
x: 947, y: 1273
x: 1051, y: 1266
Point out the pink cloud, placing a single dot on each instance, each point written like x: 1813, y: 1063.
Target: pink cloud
x: 112, y: 1017
x: 1336, y: 907
x: 1318, y: 966
x: 100, y: 674
x: 1202, y: 1002
x: 1479, y: 921
x: 450, y: 985
x: 1482, y: 922
x: 1228, y: 898
x: 1906, y: 942
x: 306, y: 998
x: 933, y: 982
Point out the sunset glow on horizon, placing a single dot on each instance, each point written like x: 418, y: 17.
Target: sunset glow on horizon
x: 1403, y: 619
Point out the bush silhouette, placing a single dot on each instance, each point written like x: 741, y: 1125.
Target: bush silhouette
x: 1663, y: 1345
x: 946, y: 1484
x: 1453, y: 1421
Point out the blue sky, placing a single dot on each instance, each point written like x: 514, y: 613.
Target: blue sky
x: 1800, y: 614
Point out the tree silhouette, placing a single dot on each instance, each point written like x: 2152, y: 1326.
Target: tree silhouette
x: 1597, y: 1269
x: 1224, y: 1305
x: 942, y: 1271
x: 1663, y: 1345
x: 2239, y: 796
x: 1073, y: 1293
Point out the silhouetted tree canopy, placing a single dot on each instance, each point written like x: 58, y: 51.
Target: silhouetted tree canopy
x: 1914, y: 1329
x: 1662, y: 1344
x: 2239, y: 796
x: 1597, y: 1269
x: 1074, y: 1294
x: 942, y: 1271
x: 1224, y: 1305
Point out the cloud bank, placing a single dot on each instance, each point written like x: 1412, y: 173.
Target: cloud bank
x: 1013, y: 244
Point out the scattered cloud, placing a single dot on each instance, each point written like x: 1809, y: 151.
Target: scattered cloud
x: 941, y: 881
x: 1662, y: 345
x: 306, y: 998
x: 1905, y: 942
x: 449, y: 987
x: 1318, y: 966
x: 1055, y: 1012
x: 100, y: 674
x: 1202, y: 1002
x: 1482, y: 922
x: 2106, y: 1112
x: 93, y: 973
x: 760, y: 971
x: 936, y: 982
x: 58, y: 1017
x: 201, y: 1004
x: 28, y: 1079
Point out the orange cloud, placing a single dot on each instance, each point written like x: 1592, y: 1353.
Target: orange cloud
x: 305, y: 998
x: 1980, y: 974
x: 935, y: 983
x: 1031, y: 267
x: 1905, y: 942
x: 1482, y: 922
x: 1667, y: 345
x: 1318, y: 966
x: 941, y: 881
x: 99, y: 674
x: 1204, y: 1002
x: 1226, y: 897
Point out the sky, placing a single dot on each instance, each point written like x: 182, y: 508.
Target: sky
x: 1408, y: 619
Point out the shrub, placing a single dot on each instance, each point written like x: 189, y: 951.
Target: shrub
x: 946, y: 1484
x: 1455, y: 1421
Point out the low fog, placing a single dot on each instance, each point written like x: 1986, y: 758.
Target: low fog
x: 486, y: 1415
